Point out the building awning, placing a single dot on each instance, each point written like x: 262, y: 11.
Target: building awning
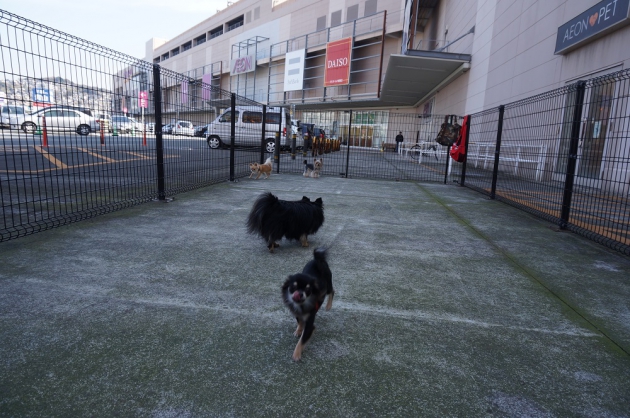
x: 409, y: 80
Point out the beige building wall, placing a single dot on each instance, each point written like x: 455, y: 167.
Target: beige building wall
x: 512, y: 46
x: 513, y: 53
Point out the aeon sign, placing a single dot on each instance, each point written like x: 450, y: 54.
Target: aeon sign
x: 604, y: 17
x: 242, y: 65
x: 338, y: 56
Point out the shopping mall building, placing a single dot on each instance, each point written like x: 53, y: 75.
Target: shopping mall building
x: 415, y: 56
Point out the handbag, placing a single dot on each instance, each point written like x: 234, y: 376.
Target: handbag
x: 449, y: 132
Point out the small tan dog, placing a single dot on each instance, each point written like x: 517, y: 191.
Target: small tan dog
x: 261, y: 169
x: 254, y: 168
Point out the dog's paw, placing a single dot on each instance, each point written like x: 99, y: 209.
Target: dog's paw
x: 297, y: 353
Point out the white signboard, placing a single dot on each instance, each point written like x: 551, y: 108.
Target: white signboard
x: 294, y: 70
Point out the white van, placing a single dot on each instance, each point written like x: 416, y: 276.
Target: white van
x: 11, y: 117
x: 248, y: 127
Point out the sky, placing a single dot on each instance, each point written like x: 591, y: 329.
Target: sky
x: 122, y: 25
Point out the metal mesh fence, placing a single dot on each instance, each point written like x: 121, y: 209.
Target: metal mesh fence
x: 563, y: 155
x: 87, y: 130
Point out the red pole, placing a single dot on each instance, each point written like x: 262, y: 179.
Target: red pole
x: 144, y: 137
x: 45, y: 133
x: 102, y: 131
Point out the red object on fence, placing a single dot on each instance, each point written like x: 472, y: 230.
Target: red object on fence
x: 102, y: 131
x: 44, y: 133
x: 458, y: 150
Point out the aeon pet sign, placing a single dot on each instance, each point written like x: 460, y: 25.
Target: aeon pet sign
x: 337, y: 71
x: 242, y: 65
x: 597, y: 21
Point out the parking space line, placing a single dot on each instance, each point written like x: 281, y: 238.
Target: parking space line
x: 144, y: 157
x: 93, y: 154
x: 49, y: 157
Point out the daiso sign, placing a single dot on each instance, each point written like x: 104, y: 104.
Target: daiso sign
x: 338, y: 55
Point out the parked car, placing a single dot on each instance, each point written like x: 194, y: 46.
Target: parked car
x: 123, y: 124
x: 182, y: 127
x: 150, y: 127
x: 11, y: 117
x: 167, y: 129
x: 137, y: 126
x: 85, y: 110
x: 104, y: 119
x: 60, y: 119
x: 248, y: 122
x: 201, y: 130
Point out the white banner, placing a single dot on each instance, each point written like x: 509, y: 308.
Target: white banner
x: 294, y: 70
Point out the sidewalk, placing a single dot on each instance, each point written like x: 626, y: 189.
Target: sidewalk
x: 447, y: 305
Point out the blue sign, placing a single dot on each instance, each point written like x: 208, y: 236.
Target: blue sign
x: 600, y: 19
x: 41, y: 95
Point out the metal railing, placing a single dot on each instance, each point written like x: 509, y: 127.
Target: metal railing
x: 563, y: 155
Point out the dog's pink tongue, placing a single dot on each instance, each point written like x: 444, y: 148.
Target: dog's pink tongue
x: 296, y: 296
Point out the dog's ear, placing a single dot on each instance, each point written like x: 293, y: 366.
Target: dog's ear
x: 319, y: 200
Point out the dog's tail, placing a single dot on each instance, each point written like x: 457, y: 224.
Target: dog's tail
x: 319, y: 254
x: 262, y: 206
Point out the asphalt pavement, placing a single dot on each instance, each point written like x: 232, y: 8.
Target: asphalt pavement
x: 447, y: 304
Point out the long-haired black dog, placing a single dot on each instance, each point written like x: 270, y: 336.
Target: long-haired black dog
x: 273, y: 218
x: 304, y: 294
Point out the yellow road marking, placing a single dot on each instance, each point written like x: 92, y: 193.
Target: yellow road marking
x: 93, y: 154
x: 49, y: 157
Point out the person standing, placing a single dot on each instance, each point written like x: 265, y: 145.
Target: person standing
x: 399, y: 140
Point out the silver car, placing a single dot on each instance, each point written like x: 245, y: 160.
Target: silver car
x: 11, y: 117
x: 123, y: 124
x: 183, y: 127
x: 60, y: 120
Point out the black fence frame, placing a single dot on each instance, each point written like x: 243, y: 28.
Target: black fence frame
x: 541, y: 154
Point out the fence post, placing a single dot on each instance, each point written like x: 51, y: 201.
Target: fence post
x: 276, y: 151
x: 497, y: 153
x: 159, y: 145
x: 463, y: 180
x: 264, y: 134
x: 348, y: 143
x: 448, y: 151
x: 573, y: 151
x: 232, y: 133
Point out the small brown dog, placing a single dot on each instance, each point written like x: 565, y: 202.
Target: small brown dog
x: 313, y: 170
x: 254, y: 168
x: 261, y: 169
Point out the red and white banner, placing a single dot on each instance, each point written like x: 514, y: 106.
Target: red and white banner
x: 338, y: 54
x: 143, y: 99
